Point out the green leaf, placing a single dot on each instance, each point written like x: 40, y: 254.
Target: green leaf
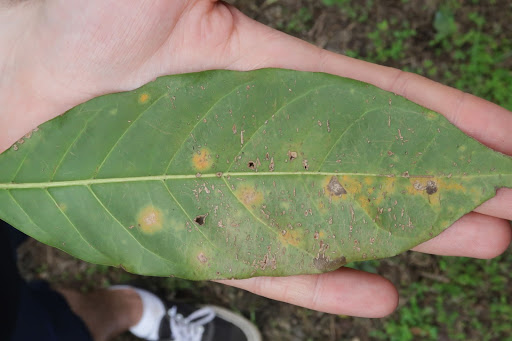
x: 226, y: 174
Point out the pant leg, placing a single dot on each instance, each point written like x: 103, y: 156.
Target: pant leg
x: 33, y: 310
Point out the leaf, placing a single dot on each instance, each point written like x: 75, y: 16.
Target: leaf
x: 226, y: 174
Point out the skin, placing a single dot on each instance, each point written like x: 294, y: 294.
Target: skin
x: 55, y: 54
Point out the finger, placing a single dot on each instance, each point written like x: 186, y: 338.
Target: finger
x: 474, y: 235
x: 485, y: 121
x: 265, y: 47
x: 499, y: 206
x: 344, y: 291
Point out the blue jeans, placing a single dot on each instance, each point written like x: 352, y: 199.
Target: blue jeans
x: 33, y: 311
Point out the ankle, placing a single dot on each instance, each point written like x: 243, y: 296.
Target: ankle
x: 106, y: 313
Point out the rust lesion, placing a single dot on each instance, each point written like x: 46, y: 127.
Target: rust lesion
x: 144, y: 98
x: 290, y: 237
x: 202, y: 159
x: 248, y: 195
x: 150, y: 219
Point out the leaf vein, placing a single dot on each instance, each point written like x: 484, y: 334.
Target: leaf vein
x: 262, y: 222
x: 186, y: 213
x: 202, y: 118
x: 127, y: 232
x: 125, y: 131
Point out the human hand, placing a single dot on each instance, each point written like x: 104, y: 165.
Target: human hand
x: 58, y: 53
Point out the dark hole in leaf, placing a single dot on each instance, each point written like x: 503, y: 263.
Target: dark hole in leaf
x: 305, y: 164
x: 251, y: 165
x: 200, y: 220
x: 431, y: 187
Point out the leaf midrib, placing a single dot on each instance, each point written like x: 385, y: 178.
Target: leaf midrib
x: 87, y: 182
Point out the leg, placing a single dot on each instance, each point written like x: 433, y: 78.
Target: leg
x: 107, y: 313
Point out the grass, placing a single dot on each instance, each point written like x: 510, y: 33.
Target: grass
x: 469, y: 51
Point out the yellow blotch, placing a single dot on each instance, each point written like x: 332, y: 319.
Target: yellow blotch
x: 144, y: 98
x: 431, y: 115
x: 290, y: 237
x: 352, y: 184
x: 434, y: 199
x: 450, y: 185
x: 364, y: 203
x: 442, y: 185
x: 249, y: 195
x: 63, y: 207
x: 202, y: 160
x: 150, y: 220
x: 321, y: 207
x: 368, y: 180
x: 383, y: 188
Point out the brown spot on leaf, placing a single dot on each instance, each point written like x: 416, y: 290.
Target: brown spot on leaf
x: 325, y: 264
x: 251, y: 165
x: 305, y: 164
x: 335, y: 188
x: 431, y: 187
x: 202, y: 258
x: 292, y: 155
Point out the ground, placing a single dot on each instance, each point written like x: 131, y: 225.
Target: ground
x: 465, y: 44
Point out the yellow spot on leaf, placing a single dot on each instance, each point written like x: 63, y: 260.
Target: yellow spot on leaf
x: 368, y: 180
x: 249, y: 195
x: 150, y: 220
x: 449, y: 185
x: 321, y: 207
x: 202, y: 160
x: 351, y: 184
x: 290, y: 237
x: 431, y: 115
x: 144, y: 97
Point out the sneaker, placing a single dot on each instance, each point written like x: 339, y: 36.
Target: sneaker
x: 184, y: 322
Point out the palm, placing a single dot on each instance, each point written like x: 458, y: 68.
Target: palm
x: 104, y: 46
x: 80, y: 49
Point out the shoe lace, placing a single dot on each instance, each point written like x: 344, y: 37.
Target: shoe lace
x: 189, y: 328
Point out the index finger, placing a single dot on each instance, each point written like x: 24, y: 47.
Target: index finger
x: 266, y: 47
